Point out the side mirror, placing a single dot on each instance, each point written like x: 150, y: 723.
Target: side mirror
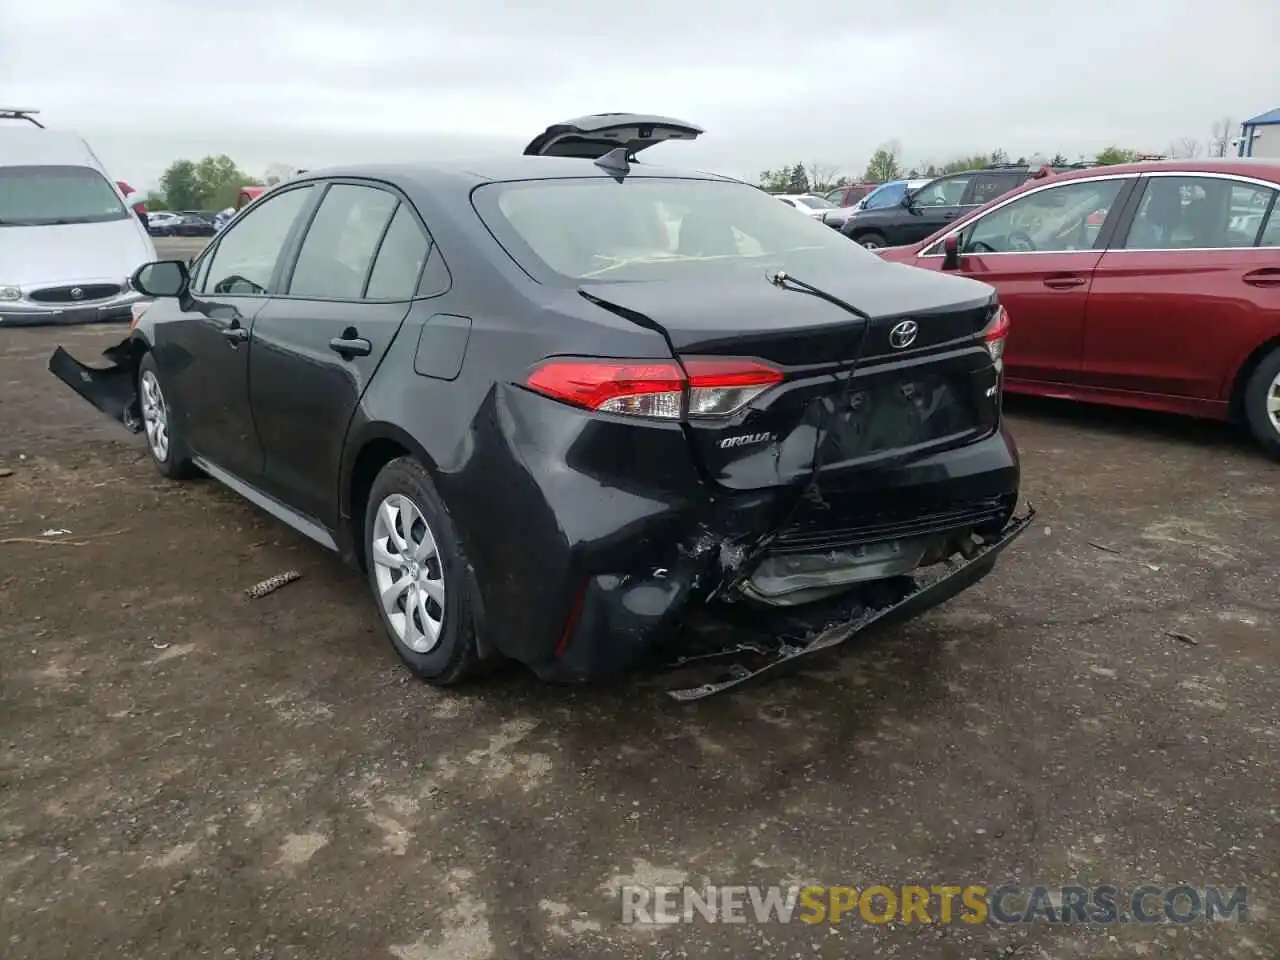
x: 951, y: 252
x: 164, y: 278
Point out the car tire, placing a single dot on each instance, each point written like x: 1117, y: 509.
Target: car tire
x: 436, y: 638
x: 871, y: 240
x: 165, y: 441
x: 1262, y: 403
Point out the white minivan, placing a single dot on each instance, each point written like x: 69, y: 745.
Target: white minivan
x: 68, y: 240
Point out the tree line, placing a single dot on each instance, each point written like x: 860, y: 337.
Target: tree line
x: 887, y: 164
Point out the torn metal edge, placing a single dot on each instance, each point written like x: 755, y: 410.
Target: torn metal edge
x: 934, y: 592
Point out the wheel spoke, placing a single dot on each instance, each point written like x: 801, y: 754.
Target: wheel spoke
x: 425, y: 549
x: 413, y: 635
x: 430, y: 625
x: 433, y: 589
x: 392, y: 592
x: 1273, y: 400
x: 384, y: 557
x: 391, y: 514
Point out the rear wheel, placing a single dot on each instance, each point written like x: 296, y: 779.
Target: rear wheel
x: 1262, y: 403
x: 419, y: 575
x: 872, y: 241
x: 165, y: 441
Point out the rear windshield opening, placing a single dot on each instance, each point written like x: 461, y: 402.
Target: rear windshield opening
x: 649, y: 228
x: 42, y: 195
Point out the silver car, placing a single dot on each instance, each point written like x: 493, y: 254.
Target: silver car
x: 68, y: 240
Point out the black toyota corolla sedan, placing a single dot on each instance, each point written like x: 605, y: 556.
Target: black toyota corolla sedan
x: 556, y: 405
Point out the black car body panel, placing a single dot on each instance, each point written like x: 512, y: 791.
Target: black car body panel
x: 590, y: 533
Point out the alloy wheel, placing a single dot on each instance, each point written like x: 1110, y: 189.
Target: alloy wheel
x: 155, y: 416
x: 409, y: 573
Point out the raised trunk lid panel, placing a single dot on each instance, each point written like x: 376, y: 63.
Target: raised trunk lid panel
x: 593, y: 136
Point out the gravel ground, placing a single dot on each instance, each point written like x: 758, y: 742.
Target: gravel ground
x: 185, y: 772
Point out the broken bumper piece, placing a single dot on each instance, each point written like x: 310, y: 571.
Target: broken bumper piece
x: 912, y: 596
x: 113, y: 390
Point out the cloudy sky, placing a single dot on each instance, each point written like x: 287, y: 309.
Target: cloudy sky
x: 333, y: 81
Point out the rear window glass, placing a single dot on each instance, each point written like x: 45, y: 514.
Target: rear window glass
x: 42, y: 195
x: 650, y: 229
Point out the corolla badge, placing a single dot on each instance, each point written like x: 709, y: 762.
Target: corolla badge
x: 76, y: 293
x: 903, y: 334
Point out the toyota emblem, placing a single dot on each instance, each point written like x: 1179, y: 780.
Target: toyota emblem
x: 903, y: 334
x: 76, y: 293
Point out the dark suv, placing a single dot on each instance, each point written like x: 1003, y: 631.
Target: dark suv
x: 932, y: 206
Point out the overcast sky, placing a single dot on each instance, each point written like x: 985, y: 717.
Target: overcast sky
x: 313, y: 82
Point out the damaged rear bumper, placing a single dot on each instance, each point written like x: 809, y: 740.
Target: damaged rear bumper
x: 113, y: 389
x: 927, y: 589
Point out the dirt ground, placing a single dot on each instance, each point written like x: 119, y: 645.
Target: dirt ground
x: 186, y: 772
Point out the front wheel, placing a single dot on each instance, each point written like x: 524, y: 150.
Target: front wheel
x: 1262, y: 403
x: 165, y: 441
x: 872, y: 241
x: 420, y: 577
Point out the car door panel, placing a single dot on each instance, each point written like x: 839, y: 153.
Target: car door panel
x: 207, y: 351
x: 316, y: 348
x: 1171, y: 322
x: 304, y: 392
x: 1040, y: 250
x: 206, y: 361
x: 1046, y: 296
x: 1186, y: 291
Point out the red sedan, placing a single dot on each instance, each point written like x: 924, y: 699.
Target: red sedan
x: 1153, y: 285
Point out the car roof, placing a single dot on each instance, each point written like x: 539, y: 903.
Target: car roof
x: 1239, y: 166
x: 28, y: 145
x: 465, y: 174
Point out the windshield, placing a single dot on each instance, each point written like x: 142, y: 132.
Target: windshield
x: 653, y: 229
x: 817, y: 203
x: 38, y: 196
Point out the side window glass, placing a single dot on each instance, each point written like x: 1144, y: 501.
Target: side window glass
x: 1196, y: 213
x: 338, y: 249
x: 1058, y: 219
x: 890, y: 196
x: 400, y: 259
x: 1247, y: 206
x: 986, y: 189
x: 947, y: 192
x: 1271, y: 232
x: 247, y: 253
x: 435, y: 278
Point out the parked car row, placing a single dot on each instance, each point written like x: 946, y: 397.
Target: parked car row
x: 186, y: 223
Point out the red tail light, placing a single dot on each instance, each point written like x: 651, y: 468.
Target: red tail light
x: 995, y: 335
x: 661, y: 389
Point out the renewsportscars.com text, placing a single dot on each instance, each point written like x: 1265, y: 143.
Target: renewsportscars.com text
x: 942, y: 903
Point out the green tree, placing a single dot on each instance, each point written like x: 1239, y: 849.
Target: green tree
x: 181, y: 186
x: 776, y: 181
x: 799, y: 180
x: 155, y: 200
x: 1059, y: 160
x: 883, y: 165
x: 220, y: 181
x: 1113, y: 154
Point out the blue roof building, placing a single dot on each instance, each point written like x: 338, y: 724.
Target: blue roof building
x: 1260, y: 136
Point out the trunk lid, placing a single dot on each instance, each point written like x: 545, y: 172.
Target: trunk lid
x: 910, y: 395
x: 593, y: 136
